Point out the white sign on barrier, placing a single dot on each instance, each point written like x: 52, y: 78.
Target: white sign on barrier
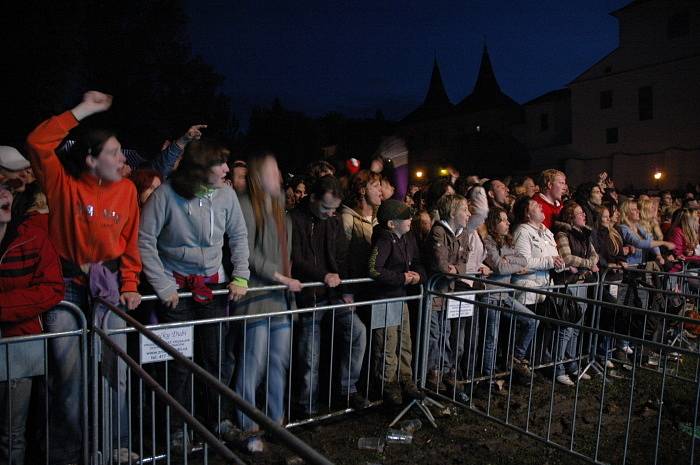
x: 386, y: 315
x: 613, y: 290
x: 180, y: 338
x: 457, y: 309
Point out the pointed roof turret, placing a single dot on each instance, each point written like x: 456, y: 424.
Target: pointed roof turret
x: 436, y: 96
x: 436, y: 103
x: 487, y: 93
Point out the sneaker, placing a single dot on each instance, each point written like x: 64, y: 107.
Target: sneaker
x: 179, y: 443
x: 628, y: 350
x: 584, y: 376
x: 124, y: 455
x: 608, y: 364
x: 411, y: 391
x: 392, y: 394
x: 565, y: 380
x: 254, y: 445
x: 653, y: 359
x: 462, y: 397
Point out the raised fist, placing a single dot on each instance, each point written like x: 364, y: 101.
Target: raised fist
x: 93, y: 102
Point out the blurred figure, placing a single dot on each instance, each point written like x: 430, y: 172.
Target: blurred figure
x: 265, y: 354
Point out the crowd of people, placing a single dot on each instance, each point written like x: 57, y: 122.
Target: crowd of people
x: 80, y: 217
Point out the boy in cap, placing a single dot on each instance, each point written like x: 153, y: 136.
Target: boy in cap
x: 394, y: 263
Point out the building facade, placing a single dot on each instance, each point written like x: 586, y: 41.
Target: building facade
x: 634, y: 113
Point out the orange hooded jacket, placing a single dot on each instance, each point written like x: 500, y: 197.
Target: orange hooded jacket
x: 90, y: 221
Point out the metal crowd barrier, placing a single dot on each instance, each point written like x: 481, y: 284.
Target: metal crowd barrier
x: 210, y: 439
x: 630, y: 405
x: 631, y: 411
x: 336, y: 323
x: 41, y: 414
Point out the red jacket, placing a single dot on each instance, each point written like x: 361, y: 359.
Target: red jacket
x: 550, y: 210
x: 30, y: 277
x: 677, y: 237
x: 89, y: 221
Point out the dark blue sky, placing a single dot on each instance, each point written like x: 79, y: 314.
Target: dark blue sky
x: 357, y: 56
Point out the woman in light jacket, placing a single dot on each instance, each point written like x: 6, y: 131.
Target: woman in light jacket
x: 534, y: 241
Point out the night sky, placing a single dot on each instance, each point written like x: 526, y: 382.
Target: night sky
x: 360, y: 56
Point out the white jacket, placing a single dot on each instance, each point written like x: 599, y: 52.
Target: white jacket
x: 538, y: 247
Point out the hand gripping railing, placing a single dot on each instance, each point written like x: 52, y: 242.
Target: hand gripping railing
x: 294, y: 443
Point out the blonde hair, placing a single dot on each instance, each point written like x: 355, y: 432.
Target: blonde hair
x: 547, y: 177
x: 448, y: 204
x: 648, y: 219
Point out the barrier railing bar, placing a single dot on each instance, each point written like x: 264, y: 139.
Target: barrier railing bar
x: 168, y: 399
x: 294, y: 443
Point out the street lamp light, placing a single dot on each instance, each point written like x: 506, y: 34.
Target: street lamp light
x: 658, y: 175
x: 419, y: 174
x: 444, y: 172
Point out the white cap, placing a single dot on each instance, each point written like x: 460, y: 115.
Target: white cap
x: 11, y: 159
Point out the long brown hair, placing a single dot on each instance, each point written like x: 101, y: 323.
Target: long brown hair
x: 615, y: 237
x: 492, y: 220
x: 358, y: 184
x: 193, y: 171
x: 258, y: 196
x: 567, y: 214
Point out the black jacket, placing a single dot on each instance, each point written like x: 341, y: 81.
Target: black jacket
x: 319, y: 247
x: 390, y: 258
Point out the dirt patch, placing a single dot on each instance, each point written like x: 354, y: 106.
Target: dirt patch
x: 602, y: 416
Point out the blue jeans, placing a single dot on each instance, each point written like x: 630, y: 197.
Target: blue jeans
x: 19, y: 393
x: 64, y: 379
x: 264, y: 338
x: 464, y: 333
x: 439, y: 351
x: 523, y: 337
x: 353, y: 340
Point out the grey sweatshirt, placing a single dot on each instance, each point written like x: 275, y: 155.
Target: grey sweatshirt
x: 187, y: 236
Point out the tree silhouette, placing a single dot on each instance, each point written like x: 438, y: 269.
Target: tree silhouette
x: 138, y: 51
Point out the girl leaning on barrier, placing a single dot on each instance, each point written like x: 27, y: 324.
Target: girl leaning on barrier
x: 646, y: 250
x: 267, y: 340
x: 611, y: 257
x: 502, y: 258
x: 576, y: 248
x: 181, y: 239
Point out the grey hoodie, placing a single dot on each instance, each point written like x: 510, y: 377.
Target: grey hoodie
x: 187, y: 236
